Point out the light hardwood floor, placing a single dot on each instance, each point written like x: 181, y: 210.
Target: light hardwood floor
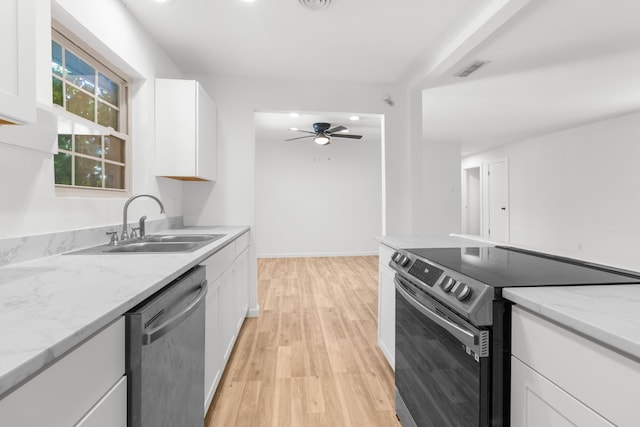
x: 311, y: 358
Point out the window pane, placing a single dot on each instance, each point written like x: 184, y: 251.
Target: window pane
x: 114, y: 149
x: 114, y: 176
x: 62, y: 168
x: 80, y: 73
x: 80, y: 103
x: 107, y: 116
x: 56, y: 58
x: 88, y: 172
x: 89, y: 144
x: 64, y: 142
x: 107, y: 89
x: 57, y: 91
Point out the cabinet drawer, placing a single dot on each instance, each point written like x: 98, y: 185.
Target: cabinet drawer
x: 111, y: 410
x: 64, y: 392
x: 536, y: 401
x: 219, y: 261
x: 601, y: 378
x: 242, y: 243
x: 384, y: 255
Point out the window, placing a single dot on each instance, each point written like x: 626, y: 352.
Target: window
x: 92, y: 119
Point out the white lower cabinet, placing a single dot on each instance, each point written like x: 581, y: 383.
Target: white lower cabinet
x: 537, y: 402
x: 212, y: 344
x: 226, y: 307
x: 560, y: 378
x: 242, y: 287
x: 86, y: 387
x: 386, y: 306
x: 111, y: 410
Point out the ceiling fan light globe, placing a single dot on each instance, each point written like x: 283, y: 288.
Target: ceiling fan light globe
x: 321, y: 140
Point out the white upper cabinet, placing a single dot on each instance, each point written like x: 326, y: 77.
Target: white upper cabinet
x: 185, y: 131
x: 18, y: 64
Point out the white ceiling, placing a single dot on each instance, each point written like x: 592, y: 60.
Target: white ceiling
x: 367, y: 41
x: 554, y: 63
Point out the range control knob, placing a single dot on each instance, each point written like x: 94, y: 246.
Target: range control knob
x: 396, y: 257
x: 404, y: 260
x: 463, y: 292
x: 447, y: 284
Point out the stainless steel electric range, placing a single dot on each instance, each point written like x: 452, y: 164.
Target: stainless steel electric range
x: 453, y: 328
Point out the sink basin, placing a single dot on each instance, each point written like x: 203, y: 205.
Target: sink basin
x: 154, y: 243
x: 153, y: 247
x: 182, y: 237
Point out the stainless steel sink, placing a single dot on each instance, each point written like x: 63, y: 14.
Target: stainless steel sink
x: 182, y: 237
x: 154, y: 247
x: 154, y: 243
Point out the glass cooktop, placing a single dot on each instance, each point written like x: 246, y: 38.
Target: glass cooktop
x: 502, y: 267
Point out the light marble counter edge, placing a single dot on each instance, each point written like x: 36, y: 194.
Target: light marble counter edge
x: 586, y: 310
x: 13, y: 376
x: 447, y: 241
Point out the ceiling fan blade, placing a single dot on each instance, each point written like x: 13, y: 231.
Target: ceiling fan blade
x: 300, y: 137
x: 336, y: 129
x: 344, y: 135
x: 305, y: 131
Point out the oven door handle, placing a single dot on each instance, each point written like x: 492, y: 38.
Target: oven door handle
x: 466, y: 337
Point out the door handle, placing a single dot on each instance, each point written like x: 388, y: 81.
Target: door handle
x: 162, y: 329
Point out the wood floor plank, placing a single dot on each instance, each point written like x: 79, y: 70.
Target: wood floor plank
x: 311, y: 358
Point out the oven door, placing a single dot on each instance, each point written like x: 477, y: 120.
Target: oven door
x: 442, y: 364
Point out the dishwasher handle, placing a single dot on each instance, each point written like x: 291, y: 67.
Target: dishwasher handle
x: 162, y: 329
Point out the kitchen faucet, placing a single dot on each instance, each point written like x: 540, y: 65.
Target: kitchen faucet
x: 125, y: 233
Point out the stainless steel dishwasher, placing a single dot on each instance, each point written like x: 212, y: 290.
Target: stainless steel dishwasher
x: 165, y: 355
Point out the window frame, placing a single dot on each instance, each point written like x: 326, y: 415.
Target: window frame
x: 84, y: 52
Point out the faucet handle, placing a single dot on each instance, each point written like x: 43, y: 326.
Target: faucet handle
x: 134, y: 233
x: 114, y: 237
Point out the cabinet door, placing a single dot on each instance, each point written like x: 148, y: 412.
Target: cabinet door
x: 227, y: 311
x: 242, y: 287
x: 111, y: 411
x: 17, y: 68
x: 212, y: 343
x: 206, y: 142
x: 387, y: 314
x: 537, y: 402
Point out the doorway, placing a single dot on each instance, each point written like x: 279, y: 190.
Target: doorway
x: 471, y: 203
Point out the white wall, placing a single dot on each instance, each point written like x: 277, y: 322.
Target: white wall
x: 316, y: 200
x: 231, y: 199
x: 575, y: 192
x: 29, y: 205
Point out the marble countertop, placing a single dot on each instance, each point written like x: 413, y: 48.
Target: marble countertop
x: 50, y: 305
x: 607, y: 314
x: 450, y: 241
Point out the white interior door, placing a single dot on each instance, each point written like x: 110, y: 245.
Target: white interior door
x: 471, y: 202
x: 498, y: 195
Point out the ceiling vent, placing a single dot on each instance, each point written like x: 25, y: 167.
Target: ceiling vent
x: 471, y: 68
x: 315, y: 4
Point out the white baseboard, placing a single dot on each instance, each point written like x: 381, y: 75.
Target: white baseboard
x: 254, y: 311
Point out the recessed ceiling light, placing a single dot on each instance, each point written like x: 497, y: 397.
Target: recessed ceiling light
x: 294, y: 115
x: 354, y: 118
x: 345, y: 131
x: 163, y: 1
x: 294, y: 129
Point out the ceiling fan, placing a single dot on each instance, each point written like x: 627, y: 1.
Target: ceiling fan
x: 323, y: 132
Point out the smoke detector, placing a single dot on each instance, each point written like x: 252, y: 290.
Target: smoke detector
x: 315, y: 4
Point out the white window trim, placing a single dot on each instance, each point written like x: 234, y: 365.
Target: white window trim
x: 89, y: 55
